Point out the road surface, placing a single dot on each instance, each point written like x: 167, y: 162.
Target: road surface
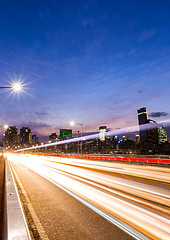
x: 134, y: 197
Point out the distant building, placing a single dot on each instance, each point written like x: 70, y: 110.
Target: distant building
x: 53, y: 137
x: 150, y: 132
x: 137, y: 139
x: 102, y: 130
x: 25, y: 137
x: 142, y: 119
x: 162, y: 135
x: 35, y: 140
x: 10, y: 137
x: 142, y: 116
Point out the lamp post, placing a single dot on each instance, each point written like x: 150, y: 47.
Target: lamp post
x: 6, y: 87
x: 16, y: 87
x: 72, y: 124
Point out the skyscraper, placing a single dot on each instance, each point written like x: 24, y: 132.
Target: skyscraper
x: 10, y: 137
x: 148, y: 133
x: 142, y: 119
x: 35, y: 140
x: 25, y: 136
x: 102, y: 130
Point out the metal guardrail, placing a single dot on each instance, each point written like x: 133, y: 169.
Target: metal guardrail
x: 15, y: 226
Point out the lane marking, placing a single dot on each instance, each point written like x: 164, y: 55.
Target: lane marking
x: 35, y: 227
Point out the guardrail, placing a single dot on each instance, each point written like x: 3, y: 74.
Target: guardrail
x: 15, y: 226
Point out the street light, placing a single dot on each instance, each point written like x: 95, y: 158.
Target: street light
x: 72, y: 123
x: 5, y: 126
x: 15, y: 86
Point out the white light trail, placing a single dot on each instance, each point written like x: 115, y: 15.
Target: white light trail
x: 141, y: 205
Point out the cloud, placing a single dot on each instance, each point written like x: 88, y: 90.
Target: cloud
x: 41, y: 113
x: 158, y: 114
x: 87, y: 22
x: 36, y: 125
x: 145, y: 35
x: 38, y: 128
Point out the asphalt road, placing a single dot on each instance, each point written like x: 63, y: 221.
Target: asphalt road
x: 135, y: 197
x: 54, y: 214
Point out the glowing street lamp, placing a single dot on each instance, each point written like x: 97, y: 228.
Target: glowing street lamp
x: 5, y: 126
x: 15, y: 86
x: 72, y: 123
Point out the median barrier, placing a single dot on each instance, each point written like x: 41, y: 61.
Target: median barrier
x: 2, y: 181
x: 15, y: 226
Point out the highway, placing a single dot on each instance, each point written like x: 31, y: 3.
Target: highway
x: 127, y: 201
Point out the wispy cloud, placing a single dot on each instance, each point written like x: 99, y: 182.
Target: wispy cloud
x: 145, y: 35
x: 158, y: 114
x: 41, y: 114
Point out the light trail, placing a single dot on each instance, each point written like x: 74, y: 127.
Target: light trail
x: 140, y: 204
x: 106, y: 134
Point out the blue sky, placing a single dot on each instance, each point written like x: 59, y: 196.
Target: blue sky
x: 95, y: 62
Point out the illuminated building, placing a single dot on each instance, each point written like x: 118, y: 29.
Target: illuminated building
x: 150, y: 133
x: 35, y: 140
x: 25, y: 137
x: 53, y: 138
x: 162, y: 135
x: 10, y: 137
x: 137, y: 138
x: 102, y: 131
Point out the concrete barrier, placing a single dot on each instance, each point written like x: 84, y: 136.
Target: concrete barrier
x: 2, y: 184
x: 15, y: 226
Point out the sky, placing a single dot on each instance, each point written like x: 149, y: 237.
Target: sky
x: 94, y: 62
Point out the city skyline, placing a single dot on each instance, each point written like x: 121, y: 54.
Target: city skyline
x: 92, y: 62
x: 143, y: 119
